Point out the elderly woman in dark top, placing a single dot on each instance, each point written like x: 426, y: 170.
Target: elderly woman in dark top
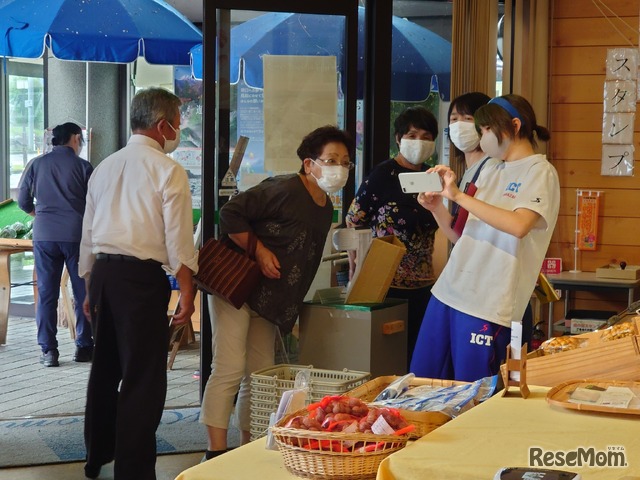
x: 291, y: 216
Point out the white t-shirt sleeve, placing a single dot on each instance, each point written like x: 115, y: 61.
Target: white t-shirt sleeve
x: 540, y: 192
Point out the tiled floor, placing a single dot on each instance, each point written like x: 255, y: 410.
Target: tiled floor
x: 29, y: 389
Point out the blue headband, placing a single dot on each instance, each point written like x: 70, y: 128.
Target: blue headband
x: 511, y: 110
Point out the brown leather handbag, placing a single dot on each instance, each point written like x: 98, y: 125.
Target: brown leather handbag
x: 227, y: 273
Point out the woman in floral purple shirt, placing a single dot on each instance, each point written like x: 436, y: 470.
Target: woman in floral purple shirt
x: 381, y: 205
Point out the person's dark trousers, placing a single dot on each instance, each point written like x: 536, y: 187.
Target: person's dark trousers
x: 417, y: 298
x: 129, y: 302
x: 50, y: 258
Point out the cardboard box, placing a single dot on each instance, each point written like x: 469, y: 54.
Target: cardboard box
x: 594, y: 360
x: 631, y: 272
x: 374, y: 278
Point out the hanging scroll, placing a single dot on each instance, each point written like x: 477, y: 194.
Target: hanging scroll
x: 588, y: 208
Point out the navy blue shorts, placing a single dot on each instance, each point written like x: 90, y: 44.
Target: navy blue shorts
x: 456, y: 346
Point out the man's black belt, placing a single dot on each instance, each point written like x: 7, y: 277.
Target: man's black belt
x: 116, y: 257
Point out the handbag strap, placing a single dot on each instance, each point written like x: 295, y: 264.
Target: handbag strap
x: 476, y: 174
x: 252, y: 243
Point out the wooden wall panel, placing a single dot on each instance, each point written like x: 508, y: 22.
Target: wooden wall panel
x: 583, y: 145
x: 580, y: 38
x: 587, y: 8
x: 593, y: 32
x: 585, y: 174
x: 578, y: 60
x: 577, y: 117
x: 577, y: 89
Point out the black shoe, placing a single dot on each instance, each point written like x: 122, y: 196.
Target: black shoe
x: 92, y: 471
x: 83, y: 354
x: 50, y: 358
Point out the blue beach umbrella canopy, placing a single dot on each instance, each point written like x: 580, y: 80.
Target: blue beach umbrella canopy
x: 113, y: 31
x: 416, y: 53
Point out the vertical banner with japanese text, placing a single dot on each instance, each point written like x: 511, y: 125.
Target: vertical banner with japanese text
x: 620, y: 96
x: 588, y: 209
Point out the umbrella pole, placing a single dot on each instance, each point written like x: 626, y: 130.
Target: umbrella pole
x: 86, y: 96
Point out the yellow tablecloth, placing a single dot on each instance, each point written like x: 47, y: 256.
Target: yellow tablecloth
x: 495, y: 434
x: 500, y: 432
x: 251, y: 461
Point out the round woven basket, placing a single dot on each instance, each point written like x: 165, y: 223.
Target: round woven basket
x: 358, y: 455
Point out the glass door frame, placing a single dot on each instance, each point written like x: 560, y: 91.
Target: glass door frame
x: 216, y: 99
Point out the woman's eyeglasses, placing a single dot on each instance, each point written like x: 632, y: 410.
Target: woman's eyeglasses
x: 335, y: 163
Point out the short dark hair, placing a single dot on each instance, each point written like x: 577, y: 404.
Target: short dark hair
x: 468, y: 103
x: 417, y: 117
x: 151, y: 105
x: 499, y: 120
x: 313, y: 143
x: 62, y: 133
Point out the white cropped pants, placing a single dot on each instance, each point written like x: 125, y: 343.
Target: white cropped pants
x: 242, y: 342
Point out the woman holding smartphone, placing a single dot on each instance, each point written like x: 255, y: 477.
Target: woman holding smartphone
x: 495, y: 262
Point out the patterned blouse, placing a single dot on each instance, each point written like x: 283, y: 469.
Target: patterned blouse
x: 381, y: 204
x: 283, y: 215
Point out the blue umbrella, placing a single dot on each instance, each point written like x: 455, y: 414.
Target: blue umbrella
x: 416, y: 53
x: 114, y: 31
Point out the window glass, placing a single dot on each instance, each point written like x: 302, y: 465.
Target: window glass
x: 421, y: 63
x: 180, y: 81
x: 25, y: 86
x: 285, y: 73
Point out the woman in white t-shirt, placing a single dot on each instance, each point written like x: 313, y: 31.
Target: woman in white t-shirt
x: 495, y: 262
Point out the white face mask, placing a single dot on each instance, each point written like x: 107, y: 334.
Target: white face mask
x: 333, y: 177
x: 489, y: 145
x: 464, y: 135
x: 171, y: 145
x: 416, y: 151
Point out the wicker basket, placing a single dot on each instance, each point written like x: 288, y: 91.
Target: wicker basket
x: 425, y: 422
x: 350, y: 462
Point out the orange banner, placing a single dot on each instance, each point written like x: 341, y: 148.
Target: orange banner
x: 588, y: 206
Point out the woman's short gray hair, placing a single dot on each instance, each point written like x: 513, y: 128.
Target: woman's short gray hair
x: 151, y: 105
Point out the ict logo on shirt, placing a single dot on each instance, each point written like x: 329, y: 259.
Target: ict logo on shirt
x: 512, y: 189
x: 481, y: 338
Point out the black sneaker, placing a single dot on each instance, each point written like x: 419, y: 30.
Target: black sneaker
x: 83, y: 354
x: 50, y: 358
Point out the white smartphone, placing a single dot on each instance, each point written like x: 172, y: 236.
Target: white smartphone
x: 418, y: 182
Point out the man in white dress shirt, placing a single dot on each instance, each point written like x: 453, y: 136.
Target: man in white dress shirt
x: 137, y: 225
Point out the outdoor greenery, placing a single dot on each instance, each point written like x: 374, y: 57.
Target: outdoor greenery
x: 26, y: 113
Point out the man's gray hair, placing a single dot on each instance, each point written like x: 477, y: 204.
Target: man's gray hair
x: 151, y: 105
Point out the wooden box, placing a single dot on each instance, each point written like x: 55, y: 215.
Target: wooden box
x: 595, y: 359
x: 424, y: 421
x: 631, y: 272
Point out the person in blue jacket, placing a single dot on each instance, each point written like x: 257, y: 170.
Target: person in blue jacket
x: 53, y: 190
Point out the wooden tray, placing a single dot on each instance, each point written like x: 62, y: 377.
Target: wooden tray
x: 560, y: 394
